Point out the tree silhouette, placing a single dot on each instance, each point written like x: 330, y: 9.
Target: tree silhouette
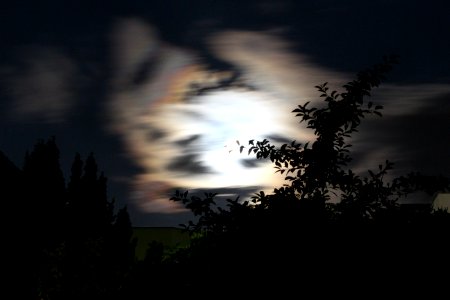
x: 87, y: 196
x: 99, y: 250
x: 45, y: 188
x: 41, y: 196
x: 362, y: 231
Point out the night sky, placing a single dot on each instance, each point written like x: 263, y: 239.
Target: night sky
x: 161, y: 91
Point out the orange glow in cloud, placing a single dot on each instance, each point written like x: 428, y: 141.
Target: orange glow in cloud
x: 192, y: 144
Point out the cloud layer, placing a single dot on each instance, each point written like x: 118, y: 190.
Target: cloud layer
x: 193, y: 142
x: 182, y: 138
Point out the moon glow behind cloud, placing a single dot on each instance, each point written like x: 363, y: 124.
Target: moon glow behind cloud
x: 193, y: 142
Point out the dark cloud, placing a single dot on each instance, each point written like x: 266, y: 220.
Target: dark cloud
x: 252, y: 162
x: 189, y: 164
x: 276, y: 138
x: 155, y: 134
x: 188, y: 141
x: 415, y: 141
x: 146, y: 70
x: 224, y: 193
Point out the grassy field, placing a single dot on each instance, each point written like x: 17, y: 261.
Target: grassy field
x: 170, y: 237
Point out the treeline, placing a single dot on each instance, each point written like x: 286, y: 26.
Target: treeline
x: 67, y: 240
